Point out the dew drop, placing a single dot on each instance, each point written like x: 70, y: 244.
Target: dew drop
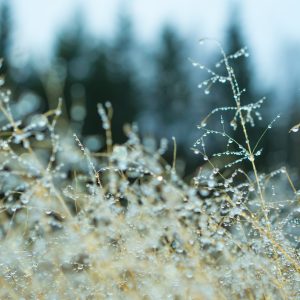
x: 160, y: 178
x: 295, y: 129
x: 251, y: 157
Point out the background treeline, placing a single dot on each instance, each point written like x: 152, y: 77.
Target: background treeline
x: 156, y: 88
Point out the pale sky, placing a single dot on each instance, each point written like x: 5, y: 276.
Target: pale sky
x: 271, y: 26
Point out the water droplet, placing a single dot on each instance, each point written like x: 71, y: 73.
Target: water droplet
x: 233, y: 123
x: 251, y: 157
x: 273, y: 191
x: 39, y: 121
x: 216, y: 170
x: 258, y: 152
x: 160, y: 178
x: 295, y: 129
x: 39, y: 136
x: 25, y: 200
x: 203, y: 124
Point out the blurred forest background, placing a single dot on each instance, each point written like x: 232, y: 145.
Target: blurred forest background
x: 155, y: 88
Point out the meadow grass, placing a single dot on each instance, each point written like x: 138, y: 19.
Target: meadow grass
x: 122, y: 224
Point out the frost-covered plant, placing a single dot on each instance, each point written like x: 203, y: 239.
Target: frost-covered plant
x: 122, y: 224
